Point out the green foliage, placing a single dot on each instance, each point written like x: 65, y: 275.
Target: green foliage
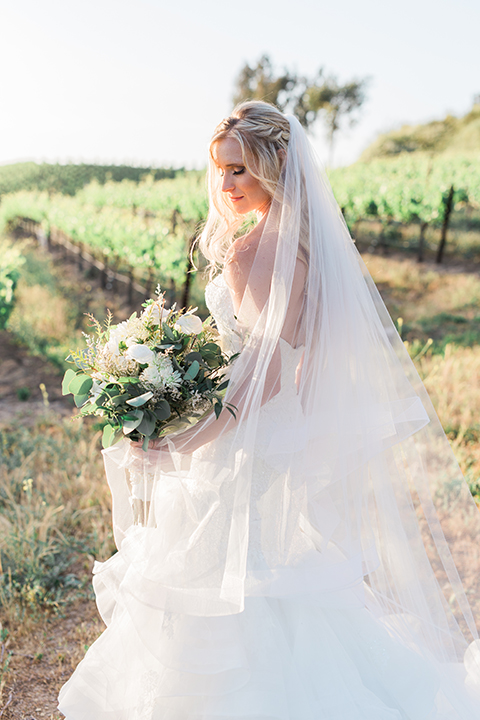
x: 112, y: 385
x: 307, y: 98
x: 411, y: 188
x: 48, y: 315
x: 459, y: 135
x: 260, y: 82
x: 5, y: 658
x: 11, y: 261
x: 146, y: 225
x: 50, y: 514
x: 68, y: 179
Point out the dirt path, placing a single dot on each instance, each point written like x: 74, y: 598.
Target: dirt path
x: 44, y: 657
x: 21, y: 374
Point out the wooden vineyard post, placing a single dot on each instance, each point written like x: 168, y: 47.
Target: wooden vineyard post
x: 80, y: 256
x: 421, y: 242
x: 113, y: 275
x: 149, y: 282
x: 172, y: 292
x: 104, y: 275
x: 443, y: 240
x: 130, y: 287
x: 188, y: 271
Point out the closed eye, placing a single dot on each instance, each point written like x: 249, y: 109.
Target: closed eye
x: 240, y: 171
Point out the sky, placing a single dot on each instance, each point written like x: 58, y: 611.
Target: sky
x: 144, y: 82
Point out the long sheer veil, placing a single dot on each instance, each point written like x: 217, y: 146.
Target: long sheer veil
x: 339, y: 497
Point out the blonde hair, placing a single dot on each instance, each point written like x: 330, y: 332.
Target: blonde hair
x: 263, y: 133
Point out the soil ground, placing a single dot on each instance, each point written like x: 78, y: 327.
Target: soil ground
x: 21, y: 375
x: 44, y: 658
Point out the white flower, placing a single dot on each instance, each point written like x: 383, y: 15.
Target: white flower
x: 189, y: 324
x: 160, y: 373
x: 96, y: 389
x: 151, y: 314
x: 140, y: 353
x: 111, y: 347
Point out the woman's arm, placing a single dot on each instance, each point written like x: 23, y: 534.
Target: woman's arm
x: 237, y: 272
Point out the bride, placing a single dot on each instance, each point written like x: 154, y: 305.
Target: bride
x: 288, y: 563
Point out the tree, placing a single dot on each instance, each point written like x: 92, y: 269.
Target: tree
x: 323, y: 96
x: 260, y: 83
x: 337, y: 102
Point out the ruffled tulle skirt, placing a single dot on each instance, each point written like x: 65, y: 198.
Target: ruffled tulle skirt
x: 293, y: 653
x: 279, y: 659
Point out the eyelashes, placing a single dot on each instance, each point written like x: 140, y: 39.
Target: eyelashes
x: 235, y: 172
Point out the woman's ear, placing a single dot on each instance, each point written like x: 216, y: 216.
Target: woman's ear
x: 282, y: 155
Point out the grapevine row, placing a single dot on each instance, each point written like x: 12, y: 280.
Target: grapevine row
x: 146, y: 228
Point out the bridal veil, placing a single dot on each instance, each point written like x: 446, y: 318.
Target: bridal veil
x: 337, y: 496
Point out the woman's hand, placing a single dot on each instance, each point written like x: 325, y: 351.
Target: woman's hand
x: 157, y: 458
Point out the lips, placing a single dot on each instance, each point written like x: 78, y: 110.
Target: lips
x: 236, y: 199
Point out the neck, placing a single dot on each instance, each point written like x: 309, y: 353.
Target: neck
x: 262, y: 211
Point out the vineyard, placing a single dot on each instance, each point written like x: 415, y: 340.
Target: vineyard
x: 142, y: 230
x: 414, y: 188
x: 68, y: 179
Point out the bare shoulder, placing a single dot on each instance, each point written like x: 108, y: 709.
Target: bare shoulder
x: 239, y: 261
x: 243, y: 248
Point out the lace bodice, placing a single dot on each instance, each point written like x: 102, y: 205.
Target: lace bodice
x: 220, y: 305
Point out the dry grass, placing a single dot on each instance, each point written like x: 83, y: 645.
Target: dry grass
x: 442, y: 305
x: 54, y: 517
x: 47, y: 313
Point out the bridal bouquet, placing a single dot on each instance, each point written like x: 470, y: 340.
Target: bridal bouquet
x: 151, y: 375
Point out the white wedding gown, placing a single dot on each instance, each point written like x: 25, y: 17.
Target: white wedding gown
x: 285, y: 657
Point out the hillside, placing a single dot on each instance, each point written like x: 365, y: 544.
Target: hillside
x: 451, y: 135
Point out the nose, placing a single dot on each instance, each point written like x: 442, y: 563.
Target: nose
x: 227, y: 183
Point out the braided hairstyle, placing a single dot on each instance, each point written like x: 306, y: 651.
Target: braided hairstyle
x: 263, y: 133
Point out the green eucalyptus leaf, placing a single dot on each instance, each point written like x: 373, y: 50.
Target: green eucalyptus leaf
x: 129, y: 416
x: 191, y: 356
x: 169, y: 333
x: 80, y: 384
x: 192, y: 371
x: 129, y: 425
x: 147, y: 426
x: 80, y: 399
x: 140, y: 400
x: 108, y: 436
x: 162, y: 410
x: 67, y: 379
